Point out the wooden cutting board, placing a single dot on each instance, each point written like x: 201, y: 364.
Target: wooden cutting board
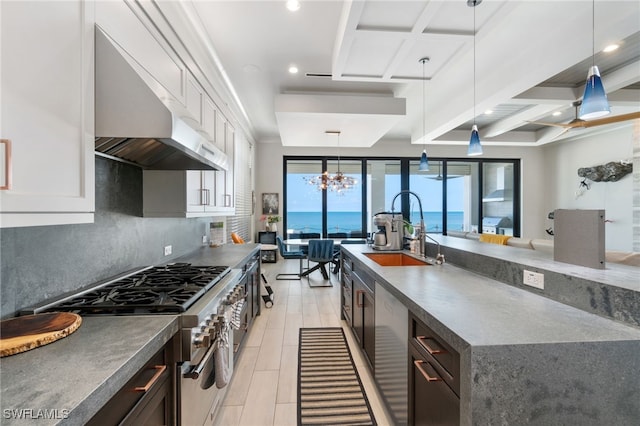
x: 21, y: 334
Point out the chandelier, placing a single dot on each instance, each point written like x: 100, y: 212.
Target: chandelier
x: 338, y: 183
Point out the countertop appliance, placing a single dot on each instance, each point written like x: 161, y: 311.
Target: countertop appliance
x: 390, y: 231
x: 495, y: 225
x: 208, y: 301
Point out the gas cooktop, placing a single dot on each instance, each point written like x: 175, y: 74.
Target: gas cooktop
x: 155, y: 290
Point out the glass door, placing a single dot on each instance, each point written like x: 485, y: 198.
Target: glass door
x: 462, y: 196
x: 429, y: 187
x: 344, y: 205
x: 497, y: 197
x: 383, y: 182
x: 303, y: 204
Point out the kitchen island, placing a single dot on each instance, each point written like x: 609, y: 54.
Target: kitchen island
x: 524, y: 358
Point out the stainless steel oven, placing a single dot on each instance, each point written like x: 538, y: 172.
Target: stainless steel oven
x: 209, y: 301
x: 202, y: 386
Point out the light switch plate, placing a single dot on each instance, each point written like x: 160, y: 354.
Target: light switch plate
x: 534, y: 279
x: 167, y: 250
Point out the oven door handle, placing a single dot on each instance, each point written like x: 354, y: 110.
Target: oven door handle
x: 195, y: 372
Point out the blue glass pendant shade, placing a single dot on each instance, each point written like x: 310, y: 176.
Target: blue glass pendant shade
x: 424, y: 162
x: 594, y: 101
x: 475, y: 148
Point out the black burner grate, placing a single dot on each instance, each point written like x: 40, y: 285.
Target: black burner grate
x: 156, y: 290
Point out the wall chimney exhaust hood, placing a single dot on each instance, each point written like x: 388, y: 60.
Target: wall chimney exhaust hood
x: 138, y: 121
x: 500, y: 193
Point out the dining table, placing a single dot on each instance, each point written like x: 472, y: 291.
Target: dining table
x: 304, y: 242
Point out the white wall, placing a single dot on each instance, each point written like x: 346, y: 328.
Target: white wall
x: 562, y: 161
x: 269, y: 171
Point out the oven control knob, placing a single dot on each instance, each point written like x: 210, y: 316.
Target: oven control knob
x: 202, y: 340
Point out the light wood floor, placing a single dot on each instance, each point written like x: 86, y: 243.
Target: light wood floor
x: 263, y: 390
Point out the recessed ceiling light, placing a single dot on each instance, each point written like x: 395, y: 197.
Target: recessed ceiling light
x: 611, y: 48
x: 557, y: 113
x: 293, y: 69
x: 488, y: 112
x: 293, y: 5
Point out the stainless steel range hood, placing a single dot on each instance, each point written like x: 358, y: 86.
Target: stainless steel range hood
x: 138, y: 121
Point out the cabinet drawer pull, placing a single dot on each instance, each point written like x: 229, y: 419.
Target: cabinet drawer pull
x: 418, y: 363
x: 359, y: 303
x: 7, y: 164
x: 160, y: 369
x: 433, y: 348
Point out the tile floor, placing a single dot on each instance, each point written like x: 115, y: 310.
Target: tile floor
x: 263, y: 390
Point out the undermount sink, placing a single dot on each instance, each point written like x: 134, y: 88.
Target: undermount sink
x: 396, y: 259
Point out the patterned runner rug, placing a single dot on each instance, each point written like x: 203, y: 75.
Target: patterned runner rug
x: 329, y: 389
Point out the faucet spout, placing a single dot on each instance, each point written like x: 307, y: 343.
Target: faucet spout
x: 423, y: 231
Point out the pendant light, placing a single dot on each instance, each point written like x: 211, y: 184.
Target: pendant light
x: 594, y: 100
x: 475, y: 148
x: 424, y: 161
x: 339, y: 183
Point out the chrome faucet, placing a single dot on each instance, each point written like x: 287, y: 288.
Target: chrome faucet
x: 423, y: 232
x: 422, y: 236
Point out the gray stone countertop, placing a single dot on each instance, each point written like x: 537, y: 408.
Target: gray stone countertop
x: 232, y: 255
x: 478, y: 311
x: 74, y: 377
x: 524, y: 358
x: 614, y: 274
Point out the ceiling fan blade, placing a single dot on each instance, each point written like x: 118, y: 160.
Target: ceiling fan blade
x: 561, y: 133
x: 544, y: 123
x: 612, y: 119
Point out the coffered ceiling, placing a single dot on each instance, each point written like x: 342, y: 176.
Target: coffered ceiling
x: 531, y: 60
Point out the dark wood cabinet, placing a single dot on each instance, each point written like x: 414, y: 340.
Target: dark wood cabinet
x: 148, y: 398
x: 434, y: 378
x: 364, y: 314
x: 358, y: 305
x: 268, y: 255
x: 346, y: 294
x: 251, y: 283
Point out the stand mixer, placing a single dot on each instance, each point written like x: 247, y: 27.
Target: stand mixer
x: 390, y: 231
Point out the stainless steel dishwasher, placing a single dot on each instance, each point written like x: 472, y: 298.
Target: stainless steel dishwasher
x: 392, y: 335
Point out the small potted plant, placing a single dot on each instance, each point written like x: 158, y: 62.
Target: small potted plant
x: 272, y: 220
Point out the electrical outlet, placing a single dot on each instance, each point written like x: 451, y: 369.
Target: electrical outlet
x: 167, y: 250
x: 204, y: 239
x: 533, y: 279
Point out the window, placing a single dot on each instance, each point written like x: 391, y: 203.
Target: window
x: 383, y: 182
x: 344, y: 209
x: 428, y: 185
x: 455, y: 194
x: 462, y: 196
x: 303, y: 202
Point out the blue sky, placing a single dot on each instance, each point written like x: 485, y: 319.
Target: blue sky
x: 304, y: 197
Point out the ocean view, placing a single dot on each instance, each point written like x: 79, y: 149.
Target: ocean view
x: 351, y: 221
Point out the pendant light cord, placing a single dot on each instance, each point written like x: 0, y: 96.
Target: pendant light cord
x: 593, y: 32
x: 474, y: 65
x: 424, y: 112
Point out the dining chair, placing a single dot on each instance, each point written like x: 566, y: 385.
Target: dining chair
x: 320, y: 251
x: 336, y: 257
x: 337, y: 235
x: 289, y: 254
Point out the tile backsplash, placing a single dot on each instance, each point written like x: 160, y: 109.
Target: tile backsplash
x: 43, y: 262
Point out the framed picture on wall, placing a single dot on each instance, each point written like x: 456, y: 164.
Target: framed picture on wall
x: 270, y: 203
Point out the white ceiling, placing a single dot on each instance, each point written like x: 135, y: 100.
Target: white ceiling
x: 531, y: 59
